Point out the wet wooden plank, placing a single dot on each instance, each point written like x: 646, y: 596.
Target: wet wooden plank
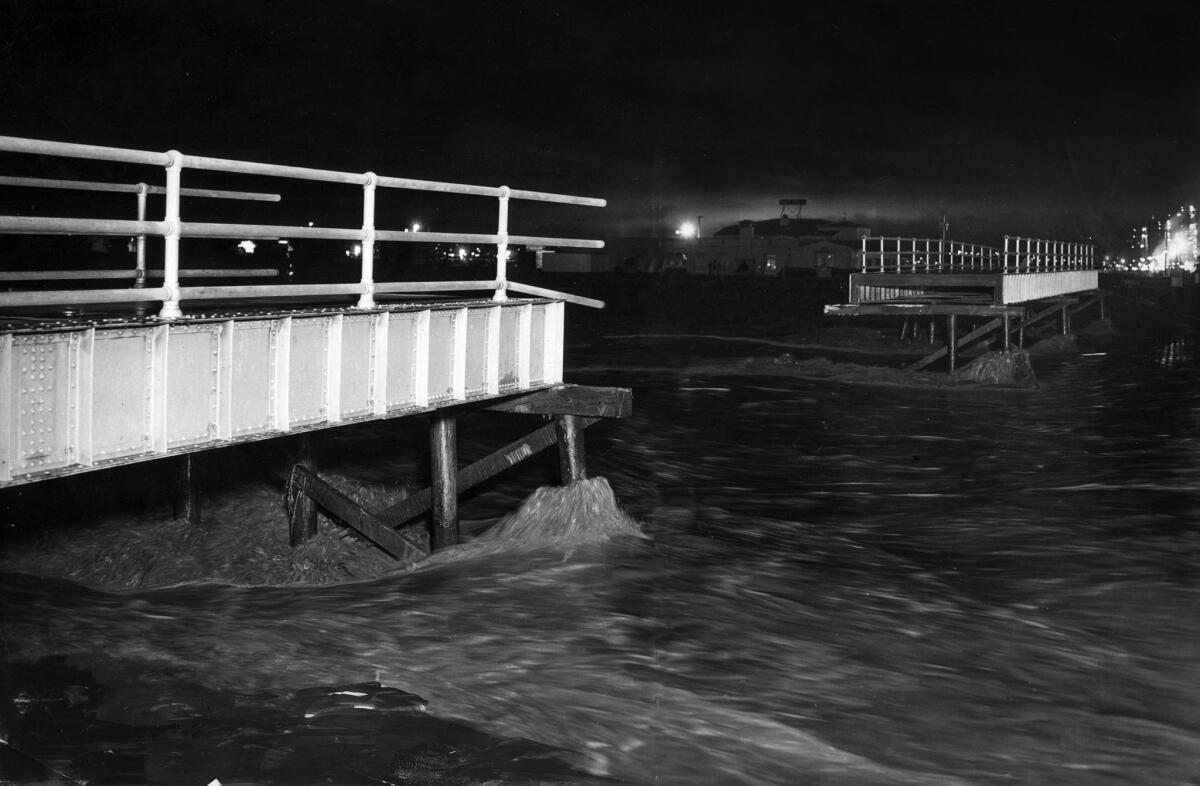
x: 580, y: 400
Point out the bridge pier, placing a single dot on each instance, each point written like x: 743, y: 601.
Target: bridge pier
x: 571, y: 462
x: 573, y: 408
x: 951, y: 341
x: 186, y: 501
x: 443, y: 453
x: 302, y: 512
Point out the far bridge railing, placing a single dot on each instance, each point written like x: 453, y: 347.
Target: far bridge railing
x: 1031, y: 255
x: 172, y: 228
x: 933, y: 255
x: 926, y: 255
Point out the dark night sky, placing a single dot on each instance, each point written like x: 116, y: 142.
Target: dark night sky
x: 1047, y: 119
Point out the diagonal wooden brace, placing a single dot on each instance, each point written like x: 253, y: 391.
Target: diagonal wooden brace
x: 470, y: 476
x: 403, y: 545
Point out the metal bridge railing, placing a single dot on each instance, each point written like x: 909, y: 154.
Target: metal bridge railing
x: 172, y: 229
x: 926, y: 255
x: 142, y: 190
x: 1030, y: 255
x: 931, y: 255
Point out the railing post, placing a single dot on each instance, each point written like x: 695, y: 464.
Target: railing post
x: 502, y: 247
x: 140, y: 276
x: 367, y: 298
x: 170, y: 306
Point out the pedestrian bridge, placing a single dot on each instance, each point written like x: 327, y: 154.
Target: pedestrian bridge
x: 916, y: 270
x: 99, y: 376
x: 1014, y: 287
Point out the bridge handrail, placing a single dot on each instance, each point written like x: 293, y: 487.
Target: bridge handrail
x: 172, y: 228
x: 141, y: 190
x: 881, y: 254
x: 934, y: 255
x: 1034, y: 255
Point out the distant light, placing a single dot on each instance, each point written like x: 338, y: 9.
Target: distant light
x: 355, y: 250
x: 416, y: 227
x: 310, y: 223
x: 247, y: 246
x: 462, y: 253
x: 687, y: 229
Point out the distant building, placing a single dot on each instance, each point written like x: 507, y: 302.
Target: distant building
x: 779, y: 246
x: 773, y: 247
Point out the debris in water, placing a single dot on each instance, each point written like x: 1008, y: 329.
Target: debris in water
x: 999, y: 368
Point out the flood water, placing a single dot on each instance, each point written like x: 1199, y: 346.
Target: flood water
x: 837, y: 584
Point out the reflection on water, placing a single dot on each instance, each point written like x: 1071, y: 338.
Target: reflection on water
x: 840, y: 584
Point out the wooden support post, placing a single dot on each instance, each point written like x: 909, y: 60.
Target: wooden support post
x: 1021, y: 334
x: 468, y: 477
x: 1103, y: 310
x: 1066, y: 320
x: 1005, y: 344
x: 571, y: 461
x: 302, y: 516
x: 951, y: 332
x: 932, y: 330
x: 187, y: 488
x: 443, y: 451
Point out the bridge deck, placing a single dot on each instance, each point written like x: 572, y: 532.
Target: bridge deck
x: 84, y: 394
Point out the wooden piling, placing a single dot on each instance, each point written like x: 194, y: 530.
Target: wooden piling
x: 187, y: 488
x: 951, y: 333
x: 302, y: 514
x: 443, y: 451
x: 1006, y: 331
x: 571, y: 462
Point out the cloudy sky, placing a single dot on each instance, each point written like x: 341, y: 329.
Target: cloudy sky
x: 1062, y: 119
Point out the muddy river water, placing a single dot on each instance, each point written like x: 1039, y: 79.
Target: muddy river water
x: 778, y: 580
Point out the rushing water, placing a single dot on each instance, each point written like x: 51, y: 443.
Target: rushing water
x: 840, y: 584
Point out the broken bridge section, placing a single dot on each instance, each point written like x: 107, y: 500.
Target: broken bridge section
x: 81, y: 393
x: 1001, y: 291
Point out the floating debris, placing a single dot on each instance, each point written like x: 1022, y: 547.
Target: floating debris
x: 999, y: 368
